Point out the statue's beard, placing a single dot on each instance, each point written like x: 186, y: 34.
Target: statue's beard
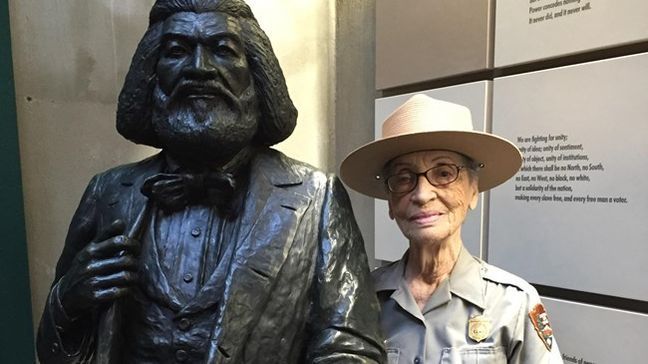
x: 203, y: 129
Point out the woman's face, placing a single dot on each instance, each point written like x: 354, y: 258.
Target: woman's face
x: 428, y: 214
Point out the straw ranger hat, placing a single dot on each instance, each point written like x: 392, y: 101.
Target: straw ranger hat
x: 424, y: 123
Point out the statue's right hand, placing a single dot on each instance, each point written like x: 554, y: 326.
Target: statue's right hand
x: 103, y: 271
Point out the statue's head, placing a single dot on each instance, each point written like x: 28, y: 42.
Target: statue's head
x: 204, y: 82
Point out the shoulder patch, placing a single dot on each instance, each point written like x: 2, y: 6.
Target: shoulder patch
x: 540, y: 320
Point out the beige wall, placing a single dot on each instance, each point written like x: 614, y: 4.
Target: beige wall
x: 70, y: 58
x: 302, y: 38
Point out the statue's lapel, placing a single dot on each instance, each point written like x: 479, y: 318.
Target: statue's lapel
x: 268, y: 227
x: 124, y: 202
x: 155, y: 282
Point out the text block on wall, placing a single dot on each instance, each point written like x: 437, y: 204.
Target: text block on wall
x: 575, y: 215
x: 594, y: 334
x: 536, y: 29
x: 390, y: 244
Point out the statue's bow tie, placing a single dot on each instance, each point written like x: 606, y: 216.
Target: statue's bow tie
x: 172, y: 192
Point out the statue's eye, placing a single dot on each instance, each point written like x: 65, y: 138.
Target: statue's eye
x: 227, y: 47
x: 226, y: 51
x: 175, y: 50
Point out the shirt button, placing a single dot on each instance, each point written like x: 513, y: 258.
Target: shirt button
x: 417, y: 360
x: 195, y: 232
x: 184, y: 324
x: 55, y: 348
x: 181, y: 355
x: 187, y: 277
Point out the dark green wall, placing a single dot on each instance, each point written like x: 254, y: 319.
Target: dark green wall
x: 16, y: 334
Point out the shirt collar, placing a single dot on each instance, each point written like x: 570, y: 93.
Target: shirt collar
x: 389, y: 278
x: 466, y: 279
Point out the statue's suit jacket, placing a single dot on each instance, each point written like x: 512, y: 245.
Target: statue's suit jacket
x: 298, y: 288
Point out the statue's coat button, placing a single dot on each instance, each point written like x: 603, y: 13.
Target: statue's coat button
x: 181, y: 355
x: 184, y: 324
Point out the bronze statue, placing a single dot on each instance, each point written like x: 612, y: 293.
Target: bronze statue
x: 219, y: 249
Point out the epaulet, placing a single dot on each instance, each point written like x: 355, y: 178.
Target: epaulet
x: 498, y: 275
x: 382, y: 270
x: 378, y: 275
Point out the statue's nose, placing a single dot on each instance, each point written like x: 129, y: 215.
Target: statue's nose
x: 202, y: 65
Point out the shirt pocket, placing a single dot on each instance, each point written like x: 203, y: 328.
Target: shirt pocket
x: 392, y: 355
x: 473, y: 355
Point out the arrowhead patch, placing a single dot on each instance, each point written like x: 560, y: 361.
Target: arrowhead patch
x: 540, y: 320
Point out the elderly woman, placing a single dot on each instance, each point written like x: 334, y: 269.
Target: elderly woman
x: 440, y: 304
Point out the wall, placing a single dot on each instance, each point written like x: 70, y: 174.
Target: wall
x: 303, y: 38
x: 70, y: 58
x: 69, y: 61
x: 353, y: 96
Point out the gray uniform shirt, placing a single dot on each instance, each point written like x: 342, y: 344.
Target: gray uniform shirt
x: 480, y: 314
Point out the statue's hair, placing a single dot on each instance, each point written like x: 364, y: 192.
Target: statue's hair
x: 278, y: 115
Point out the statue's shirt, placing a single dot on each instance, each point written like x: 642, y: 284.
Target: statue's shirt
x: 181, y: 253
x: 189, y: 246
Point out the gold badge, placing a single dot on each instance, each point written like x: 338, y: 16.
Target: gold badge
x: 478, y: 328
x: 540, y: 321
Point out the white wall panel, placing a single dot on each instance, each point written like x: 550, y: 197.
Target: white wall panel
x: 594, y: 334
x: 586, y: 232
x: 537, y: 29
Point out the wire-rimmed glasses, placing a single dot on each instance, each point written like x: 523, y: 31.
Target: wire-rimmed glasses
x: 440, y: 175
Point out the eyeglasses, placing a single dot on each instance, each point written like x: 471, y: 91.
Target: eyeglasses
x: 438, y: 176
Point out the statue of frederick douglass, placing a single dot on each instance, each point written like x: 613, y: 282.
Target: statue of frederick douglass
x: 219, y: 249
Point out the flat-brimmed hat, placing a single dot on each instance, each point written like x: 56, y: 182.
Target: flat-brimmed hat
x: 424, y: 123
